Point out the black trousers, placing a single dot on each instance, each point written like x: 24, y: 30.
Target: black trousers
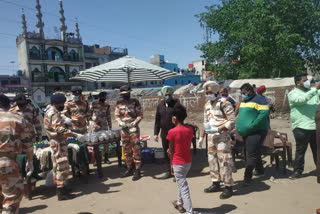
x: 165, y: 146
x: 304, y: 137
x: 253, y: 144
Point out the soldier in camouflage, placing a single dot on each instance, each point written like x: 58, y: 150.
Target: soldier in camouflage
x: 58, y: 133
x: 29, y: 113
x: 219, y: 118
x: 128, y: 114
x: 101, y: 118
x: 76, y: 112
x: 15, y: 137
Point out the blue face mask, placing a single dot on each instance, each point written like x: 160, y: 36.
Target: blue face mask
x: 245, y: 97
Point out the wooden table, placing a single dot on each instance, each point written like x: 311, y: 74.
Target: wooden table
x: 98, y: 157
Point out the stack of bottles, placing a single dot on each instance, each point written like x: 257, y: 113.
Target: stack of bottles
x: 73, y: 141
x: 102, y: 136
x: 42, y: 144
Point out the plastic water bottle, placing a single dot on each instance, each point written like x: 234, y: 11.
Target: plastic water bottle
x: 207, y: 127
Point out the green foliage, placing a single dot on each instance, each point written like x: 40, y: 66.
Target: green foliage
x: 273, y: 38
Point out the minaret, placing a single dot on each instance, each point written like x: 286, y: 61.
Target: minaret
x: 63, y: 27
x: 39, y: 22
x: 24, y: 23
x: 77, y: 30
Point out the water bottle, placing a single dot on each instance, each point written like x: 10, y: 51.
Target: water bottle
x: 207, y: 127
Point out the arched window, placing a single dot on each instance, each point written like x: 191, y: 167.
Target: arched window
x: 54, y: 54
x: 74, y: 72
x: 34, y: 53
x: 56, y: 74
x: 37, y: 76
x: 74, y: 56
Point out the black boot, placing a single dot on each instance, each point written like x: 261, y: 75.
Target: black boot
x: 215, y: 187
x: 247, y: 176
x: 63, y: 195
x: 67, y: 189
x: 226, y: 193
x: 106, y: 159
x: 136, y: 175
x: 258, y: 173
x: 128, y: 172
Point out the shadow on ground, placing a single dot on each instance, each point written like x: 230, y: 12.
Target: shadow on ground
x: 224, y: 208
x: 36, y: 209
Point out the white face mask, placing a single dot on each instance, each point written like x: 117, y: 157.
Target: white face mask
x: 211, y: 97
x: 75, y: 98
x: 307, y: 84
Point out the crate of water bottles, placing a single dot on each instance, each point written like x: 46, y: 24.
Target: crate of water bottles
x: 42, y: 144
x: 102, y: 137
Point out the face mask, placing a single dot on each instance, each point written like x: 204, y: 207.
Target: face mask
x: 75, y: 98
x: 307, y: 84
x: 211, y: 97
x: 264, y: 94
x: 245, y: 97
x: 102, y: 100
x: 60, y: 108
x: 174, y: 120
x: 22, y: 105
x: 168, y: 98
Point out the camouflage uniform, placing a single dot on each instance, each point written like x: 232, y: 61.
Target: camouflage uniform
x: 31, y: 117
x: 128, y: 111
x: 78, y: 112
x: 15, y: 137
x: 220, y: 114
x: 58, y: 133
x: 101, y: 117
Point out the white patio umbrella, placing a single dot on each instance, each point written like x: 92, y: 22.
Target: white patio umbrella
x: 125, y: 69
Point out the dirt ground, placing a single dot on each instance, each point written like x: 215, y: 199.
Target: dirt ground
x: 116, y: 195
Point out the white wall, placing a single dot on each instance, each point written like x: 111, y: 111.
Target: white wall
x: 23, y: 58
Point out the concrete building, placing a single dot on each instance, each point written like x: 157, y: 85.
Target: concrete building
x: 48, y: 64
x: 94, y: 55
x: 185, y: 76
x: 200, y: 68
x: 11, y: 84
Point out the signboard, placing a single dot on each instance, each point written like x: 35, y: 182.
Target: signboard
x: 38, y: 95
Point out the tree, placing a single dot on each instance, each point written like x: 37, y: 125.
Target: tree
x: 273, y: 38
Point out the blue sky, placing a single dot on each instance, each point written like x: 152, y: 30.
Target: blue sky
x: 145, y: 27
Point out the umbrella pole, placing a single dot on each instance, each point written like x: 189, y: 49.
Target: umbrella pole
x: 128, y: 74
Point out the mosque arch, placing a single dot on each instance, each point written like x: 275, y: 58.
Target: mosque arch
x: 74, y: 56
x: 36, y: 75
x: 34, y: 53
x: 74, y: 72
x: 54, y: 54
x: 56, y: 74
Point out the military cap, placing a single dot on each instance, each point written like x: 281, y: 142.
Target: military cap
x: 102, y: 94
x: 58, y: 99
x: 19, y: 97
x: 212, y: 86
x: 76, y: 90
x: 125, y: 89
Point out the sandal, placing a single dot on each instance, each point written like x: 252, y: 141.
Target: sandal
x: 178, y: 207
